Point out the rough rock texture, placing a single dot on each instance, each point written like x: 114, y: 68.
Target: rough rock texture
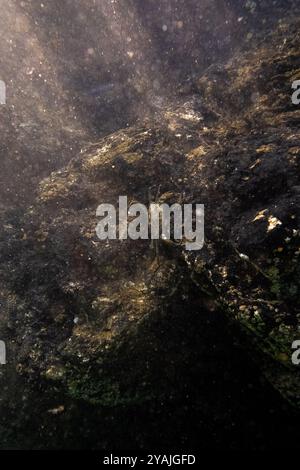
x: 59, y: 59
x: 109, y: 332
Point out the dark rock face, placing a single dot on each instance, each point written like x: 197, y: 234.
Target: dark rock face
x: 60, y: 59
x: 194, y: 344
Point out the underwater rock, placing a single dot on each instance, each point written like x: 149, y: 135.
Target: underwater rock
x: 133, y: 306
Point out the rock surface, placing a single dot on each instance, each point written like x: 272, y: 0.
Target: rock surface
x: 111, y: 332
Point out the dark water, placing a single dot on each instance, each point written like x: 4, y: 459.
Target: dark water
x: 215, y: 399
x: 75, y: 71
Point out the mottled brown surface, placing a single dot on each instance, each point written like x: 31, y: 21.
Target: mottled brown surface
x: 231, y: 141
